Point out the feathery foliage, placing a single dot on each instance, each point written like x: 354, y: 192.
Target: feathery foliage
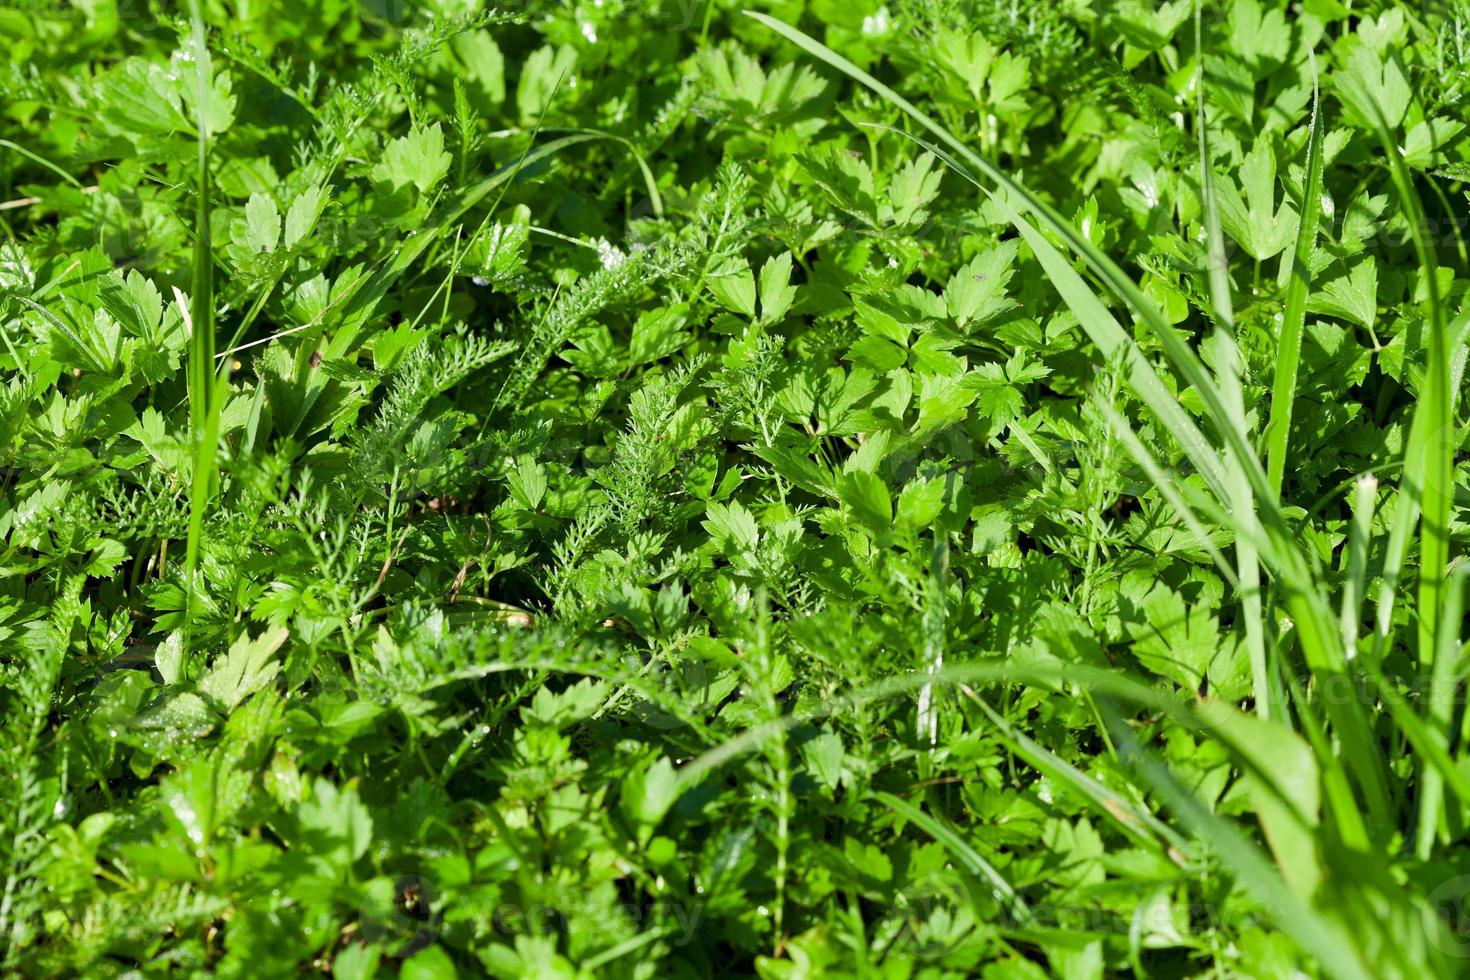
x: 925, y: 488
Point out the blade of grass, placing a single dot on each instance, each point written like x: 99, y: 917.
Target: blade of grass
x: 1429, y: 474
x: 1255, y: 872
x: 1243, y: 505
x: 204, y: 395
x: 1443, y: 679
x: 1135, y: 822
x: 1294, y: 315
x: 1180, y: 355
x: 926, y: 715
x: 66, y: 331
x: 1104, y: 331
x: 959, y: 848
x: 37, y: 158
x: 655, y: 199
x: 1360, y: 530
x: 1406, y: 508
x: 1344, y: 819
x: 1304, y: 600
x: 1250, y: 867
x: 1334, y: 777
x: 1428, y: 744
x: 1168, y: 489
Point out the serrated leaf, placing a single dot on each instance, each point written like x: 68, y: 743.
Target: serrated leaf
x: 416, y: 159
x: 733, y: 527
x: 735, y: 289
x: 976, y: 293
x: 302, y: 215
x: 776, y: 291
x: 262, y: 223
x: 1351, y: 295
x: 246, y: 668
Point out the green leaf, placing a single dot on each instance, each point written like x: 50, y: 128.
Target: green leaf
x: 138, y: 96
x: 776, y: 289
x: 735, y: 289
x: 866, y: 496
x: 976, y: 293
x: 527, y: 482
x: 415, y: 159
x: 1351, y: 295
x: 1284, y: 788
x: 1262, y: 227
x: 912, y: 189
x: 733, y: 528
x: 541, y: 74
x: 647, y: 794
x: 245, y: 669
x: 302, y: 216
x: 823, y: 755
x: 262, y: 223
x: 336, y: 828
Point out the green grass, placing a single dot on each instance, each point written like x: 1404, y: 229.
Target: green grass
x: 204, y: 384
x: 908, y: 490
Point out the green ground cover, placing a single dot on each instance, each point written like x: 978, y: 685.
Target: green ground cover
x: 925, y: 488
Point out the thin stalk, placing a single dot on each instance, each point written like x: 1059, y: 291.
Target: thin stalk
x: 1360, y: 530
x: 1429, y: 473
x: 204, y: 394
x: 1441, y: 706
x: 1242, y: 502
x: 1294, y: 315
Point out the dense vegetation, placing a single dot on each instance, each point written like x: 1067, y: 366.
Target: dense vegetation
x: 922, y: 488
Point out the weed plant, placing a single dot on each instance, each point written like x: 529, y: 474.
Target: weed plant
x: 925, y: 488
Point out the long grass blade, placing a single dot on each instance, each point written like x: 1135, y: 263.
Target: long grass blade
x: 204, y: 396
x: 960, y: 849
x: 1429, y: 472
x: 1441, y: 704
x: 1164, y: 482
x: 1135, y: 822
x: 1356, y: 582
x: 1180, y: 355
x: 1406, y: 507
x: 1243, y: 504
x: 1250, y: 867
x: 1294, y: 315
